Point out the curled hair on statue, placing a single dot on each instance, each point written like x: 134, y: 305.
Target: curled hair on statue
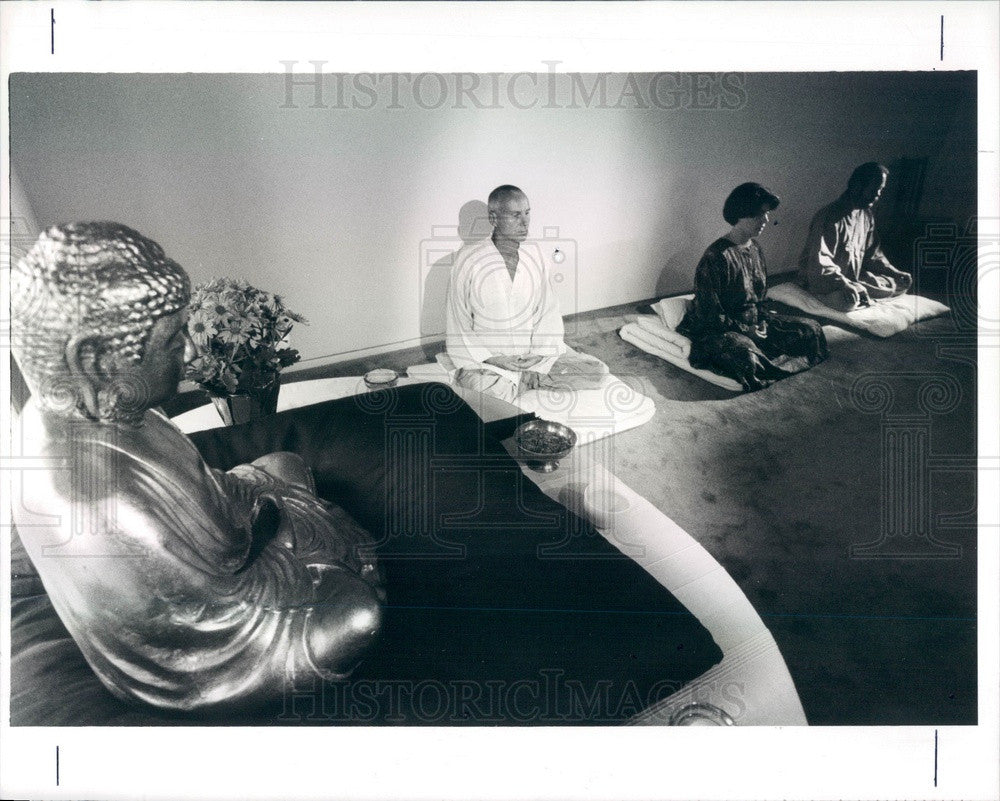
x: 84, y: 291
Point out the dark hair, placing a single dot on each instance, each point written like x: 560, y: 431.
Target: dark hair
x: 748, y: 200
x: 866, y: 173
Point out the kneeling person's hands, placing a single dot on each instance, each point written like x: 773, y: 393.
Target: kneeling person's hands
x: 904, y: 280
x: 529, y: 380
x: 856, y: 296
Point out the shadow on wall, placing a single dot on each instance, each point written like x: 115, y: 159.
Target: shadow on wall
x: 897, y: 215
x: 473, y: 226
x: 677, y: 274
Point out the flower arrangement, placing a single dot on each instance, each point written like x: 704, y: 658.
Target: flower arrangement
x: 240, y: 333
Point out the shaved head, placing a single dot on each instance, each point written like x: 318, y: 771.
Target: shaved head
x: 510, y: 215
x: 501, y: 195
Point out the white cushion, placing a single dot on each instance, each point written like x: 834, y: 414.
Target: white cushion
x: 883, y: 318
x: 643, y: 339
x: 672, y: 310
x: 670, y: 338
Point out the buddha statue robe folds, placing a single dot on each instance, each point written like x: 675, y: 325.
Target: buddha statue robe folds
x: 188, y: 587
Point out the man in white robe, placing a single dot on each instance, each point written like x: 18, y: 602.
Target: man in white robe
x: 504, y: 329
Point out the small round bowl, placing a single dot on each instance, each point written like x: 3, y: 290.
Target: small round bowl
x: 543, y: 459
x: 380, y: 378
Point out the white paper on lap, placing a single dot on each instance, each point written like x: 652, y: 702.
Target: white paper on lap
x: 883, y: 319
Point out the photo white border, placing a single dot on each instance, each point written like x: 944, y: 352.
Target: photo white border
x: 438, y: 763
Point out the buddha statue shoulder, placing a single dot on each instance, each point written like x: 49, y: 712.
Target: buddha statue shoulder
x: 185, y: 587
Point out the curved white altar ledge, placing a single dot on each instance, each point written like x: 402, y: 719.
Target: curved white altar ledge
x: 751, y: 683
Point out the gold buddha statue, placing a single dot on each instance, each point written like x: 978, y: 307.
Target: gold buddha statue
x: 185, y: 587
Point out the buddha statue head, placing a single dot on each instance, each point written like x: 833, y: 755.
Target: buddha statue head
x: 98, y: 317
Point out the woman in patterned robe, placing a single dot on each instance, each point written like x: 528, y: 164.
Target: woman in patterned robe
x: 730, y: 330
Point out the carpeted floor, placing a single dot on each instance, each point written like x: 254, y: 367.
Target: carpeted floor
x: 781, y: 485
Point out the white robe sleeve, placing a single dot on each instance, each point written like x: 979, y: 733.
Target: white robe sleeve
x: 828, y: 239
x: 465, y: 346
x: 875, y: 259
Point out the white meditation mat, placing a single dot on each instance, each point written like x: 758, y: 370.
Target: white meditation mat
x: 593, y: 414
x: 883, y: 319
x: 648, y: 333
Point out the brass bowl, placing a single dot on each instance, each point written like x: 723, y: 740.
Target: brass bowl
x: 701, y: 713
x: 543, y: 460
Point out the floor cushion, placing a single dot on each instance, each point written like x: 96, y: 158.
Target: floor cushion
x: 883, y: 318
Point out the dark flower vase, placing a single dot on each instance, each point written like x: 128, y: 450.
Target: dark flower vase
x: 245, y: 406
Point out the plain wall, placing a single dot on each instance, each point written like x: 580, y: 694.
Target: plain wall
x: 348, y: 211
